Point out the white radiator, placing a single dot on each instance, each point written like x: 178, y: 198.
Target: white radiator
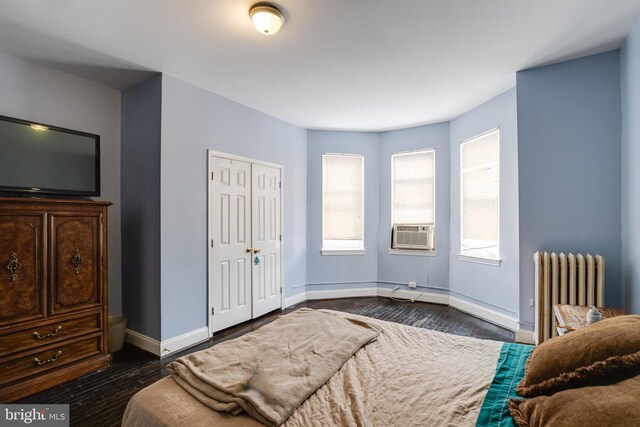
x: 565, y: 279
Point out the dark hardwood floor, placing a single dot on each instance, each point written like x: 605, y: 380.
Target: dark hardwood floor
x: 99, y: 399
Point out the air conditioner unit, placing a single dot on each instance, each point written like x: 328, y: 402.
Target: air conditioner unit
x: 413, y: 236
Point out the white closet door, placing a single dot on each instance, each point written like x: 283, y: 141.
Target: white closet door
x: 266, y: 238
x: 231, y: 236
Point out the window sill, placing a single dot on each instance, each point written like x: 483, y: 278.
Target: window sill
x: 412, y: 252
x: 480, y: 260
x: 333, y: 252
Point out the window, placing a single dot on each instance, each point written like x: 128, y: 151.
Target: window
x: 342, y: 202
x: 413, y: 187
x: 480, y: 195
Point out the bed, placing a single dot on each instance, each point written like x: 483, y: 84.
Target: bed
x: 407, y: 376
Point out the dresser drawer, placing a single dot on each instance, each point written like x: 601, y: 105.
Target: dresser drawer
x: 49, y: 357
x: 47, y: 333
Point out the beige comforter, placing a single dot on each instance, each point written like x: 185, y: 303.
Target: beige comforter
x: 407, y: 377
x: 270, y: 372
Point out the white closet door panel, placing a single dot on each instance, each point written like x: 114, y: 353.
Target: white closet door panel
x: 231, y: 235
x: 266, y: 205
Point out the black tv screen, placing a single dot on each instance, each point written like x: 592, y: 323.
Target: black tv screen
x: 39, y: 158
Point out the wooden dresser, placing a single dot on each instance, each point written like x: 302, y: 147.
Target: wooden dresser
x: 53, y: 293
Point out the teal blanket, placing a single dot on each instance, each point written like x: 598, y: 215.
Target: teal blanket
x: 509, y: 372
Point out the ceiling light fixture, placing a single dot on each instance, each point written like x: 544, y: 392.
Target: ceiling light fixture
x: 39, y: 128
x: 266, y: 18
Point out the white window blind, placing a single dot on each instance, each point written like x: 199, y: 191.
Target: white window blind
x: 480, y: 198
x: 413, y: 187
x: 343, y: 192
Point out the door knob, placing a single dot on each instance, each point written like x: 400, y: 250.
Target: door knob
x: 256, y: 251
x: 249, y: 250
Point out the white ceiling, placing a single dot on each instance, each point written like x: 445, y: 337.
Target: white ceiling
x: 336, y: 64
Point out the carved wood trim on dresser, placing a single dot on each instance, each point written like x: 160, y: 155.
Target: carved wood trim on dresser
x: 53, y: 293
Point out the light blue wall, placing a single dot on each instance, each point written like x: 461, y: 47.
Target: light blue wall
x: 32, y: 92
x: 140, y: 154
x: 194, y: 120
x: 495, y: 287
x: 571, y: 119
x: 569, y: 151
x: 341, y: 269
x: 630, y: 81
x: 403, y: 268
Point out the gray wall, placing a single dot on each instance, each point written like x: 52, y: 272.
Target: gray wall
x: 404, y: 268
x: 630, y: 73
x: 339, y: 271
x: 569, y: 151
x: 33, y: 92
x: 141, y: 119
x: 496, y: 287
x: 194, y: 120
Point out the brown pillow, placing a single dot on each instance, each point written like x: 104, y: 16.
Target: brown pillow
x: 602, y: 353
x: 597, y: 406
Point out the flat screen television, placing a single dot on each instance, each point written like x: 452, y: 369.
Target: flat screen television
x: 39, y: 158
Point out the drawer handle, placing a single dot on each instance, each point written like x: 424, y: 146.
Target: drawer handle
x: 77, y: 260
x: 43, y: 362
x: 50, y: 334
x: 13, y: 266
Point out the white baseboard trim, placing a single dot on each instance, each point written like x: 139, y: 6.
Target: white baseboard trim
x: 415, y: 295
x: 342, y: 293
x: 525, y: 336
x: 197, y: 336
x: 473, y: 309
x: 298, y: 298
x: 169, y: 346
x: 142, y: 341
x: 484, y: 313
x: 183, y: 341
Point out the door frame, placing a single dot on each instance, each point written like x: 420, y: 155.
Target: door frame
x: 214, y: 153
